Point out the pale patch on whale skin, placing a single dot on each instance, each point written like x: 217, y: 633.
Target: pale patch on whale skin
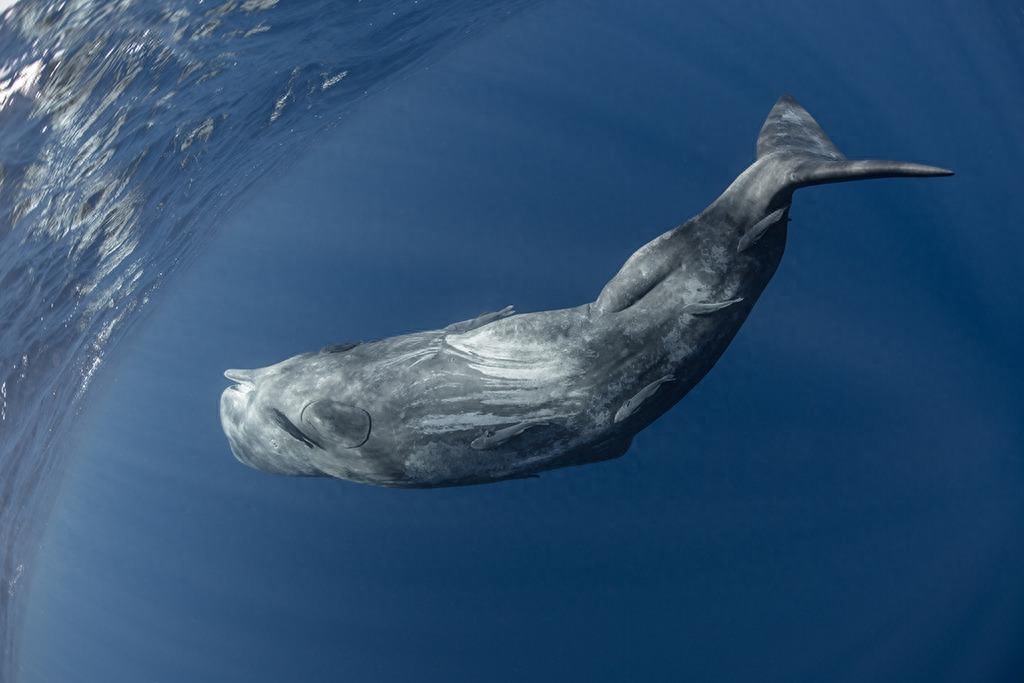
x: 504, y: 395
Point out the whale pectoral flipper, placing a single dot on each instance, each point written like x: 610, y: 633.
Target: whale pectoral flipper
x: 634, y: 402
x: 490, y: 439
x: 703, y: 308
x: 287, y: 425
x: 479, y: 321
x: 346, y: 425
x: 756, y: 231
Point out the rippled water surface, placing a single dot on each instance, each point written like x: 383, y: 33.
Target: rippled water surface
x: 129, y: 129
x: 190, y: 186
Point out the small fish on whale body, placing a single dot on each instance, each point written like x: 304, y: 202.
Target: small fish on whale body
x: 634, y: 403
x: 703, y: 308
x: 339, y: 348
x: 491, y: 439
x: 480, y: 320
x: 751, y: 236
x: 552, y: 388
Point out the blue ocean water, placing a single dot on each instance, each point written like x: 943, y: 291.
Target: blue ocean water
x: 130, y: 129
x: 189, y: 187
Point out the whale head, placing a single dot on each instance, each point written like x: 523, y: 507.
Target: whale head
x: 282, y: 419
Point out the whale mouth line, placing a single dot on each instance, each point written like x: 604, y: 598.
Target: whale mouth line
x: 244, y: 381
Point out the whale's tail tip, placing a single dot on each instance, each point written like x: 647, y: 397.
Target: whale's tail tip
x: 791, y: 133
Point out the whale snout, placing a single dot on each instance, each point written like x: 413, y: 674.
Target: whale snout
x: 243, y: 380
x: 255, y: 440
x: 234, y: 403
x: 241, y: 376
x: 236, y: 375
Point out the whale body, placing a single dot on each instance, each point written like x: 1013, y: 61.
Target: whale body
x: 508, y: 395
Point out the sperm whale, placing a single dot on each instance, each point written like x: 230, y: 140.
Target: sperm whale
x: 507, y: 395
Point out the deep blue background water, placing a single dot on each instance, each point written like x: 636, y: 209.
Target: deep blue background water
x: 840, y: 499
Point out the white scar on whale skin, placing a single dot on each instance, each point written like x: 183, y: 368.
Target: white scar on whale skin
x: 521, y: 358
x: 505, y: 395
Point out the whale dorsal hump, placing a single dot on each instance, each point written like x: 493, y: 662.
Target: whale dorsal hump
x: 790, y: 128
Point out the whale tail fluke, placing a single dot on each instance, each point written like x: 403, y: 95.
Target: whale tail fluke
x: 811, y: 158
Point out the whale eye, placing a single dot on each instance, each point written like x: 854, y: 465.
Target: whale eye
x: 344, y: 424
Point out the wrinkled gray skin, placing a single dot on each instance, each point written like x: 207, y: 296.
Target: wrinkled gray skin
x: 506, y: 396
